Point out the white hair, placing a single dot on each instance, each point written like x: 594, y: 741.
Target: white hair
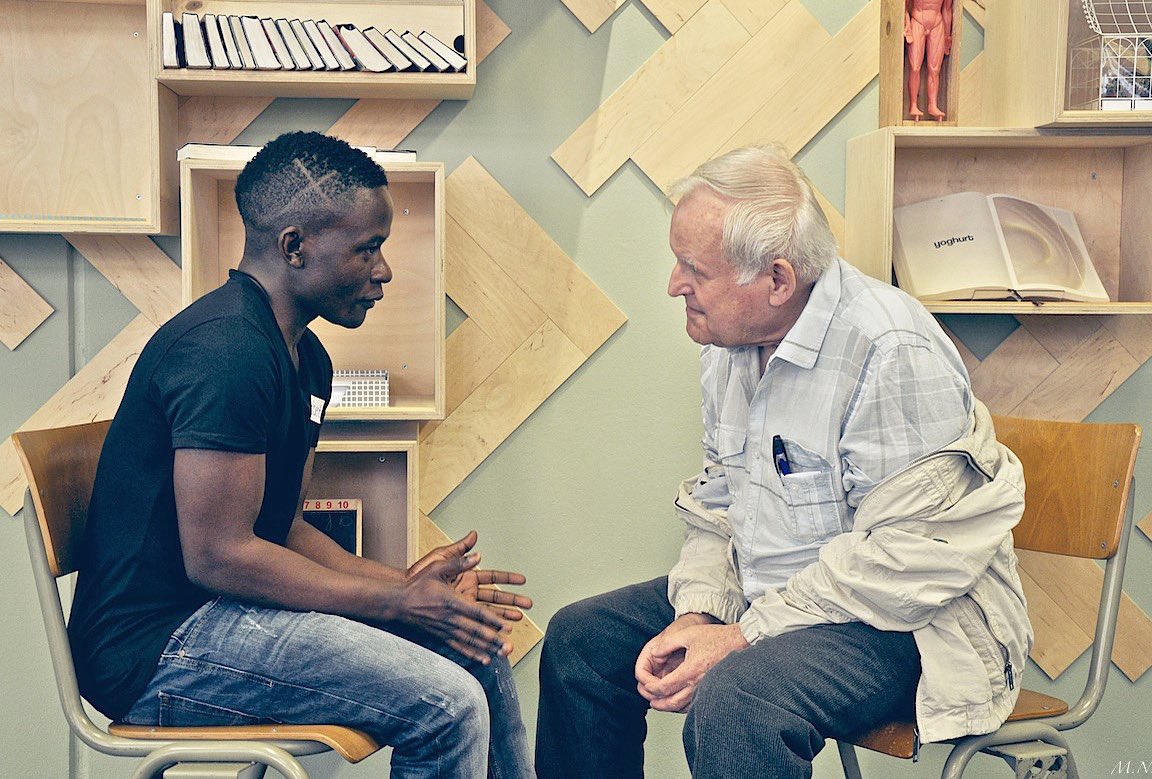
x: 776, y: 214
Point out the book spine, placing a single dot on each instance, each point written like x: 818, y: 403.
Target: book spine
x: 437, y: 62
x: 314, y: 58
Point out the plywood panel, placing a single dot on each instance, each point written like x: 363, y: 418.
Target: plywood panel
x: 22, y: 310
x: 1082, y: 381
x: 1013, y: 371
x: 216, y: 118
x: 649, y: 98
x: 1060, y: 335
x: 1059, y: 641
x: 796, y: 112
x: 1145, y: 526
x: 93, y: 394
x: 473, y: 356
x: 380, y: 122
x: 528, y: 254
x: 493, y: 411
x: 976, y: 9
x: 135, y: 266
x: 1075, y: 584
x: 592, y: 13
x: 525, y: 633
x: 673, y: 14
x: 481, y: 287
x: 754, y: 14
x: 490, y: 30
x: 739, y: 89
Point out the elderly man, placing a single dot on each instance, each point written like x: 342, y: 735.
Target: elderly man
x: 848, y: 551
x: 204, y: 598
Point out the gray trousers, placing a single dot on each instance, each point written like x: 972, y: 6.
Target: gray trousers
x: 763, y: 712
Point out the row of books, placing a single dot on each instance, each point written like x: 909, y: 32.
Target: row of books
x: 252, y: 43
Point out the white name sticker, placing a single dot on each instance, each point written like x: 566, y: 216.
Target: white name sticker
x: 317, y: 409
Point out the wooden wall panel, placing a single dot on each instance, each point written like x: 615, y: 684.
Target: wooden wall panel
x: 796, y: 112
x: 739, y: 88
x: 592, y: 13
x: 22, y: 310
x: 1011, y: 373
x: 1075, y: 585
x: 650, y: 97
x: 135, y: 266
x: 673, y: 14
x: 754, y: 14
x: 92, y: 394
x: 529, y: 255
x: 216, y: 119
x: 1087, y: 376
x: 1059, y: 641
x: 493, y: 410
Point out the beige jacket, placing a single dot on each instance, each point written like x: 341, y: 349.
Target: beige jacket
x: 930, y: 552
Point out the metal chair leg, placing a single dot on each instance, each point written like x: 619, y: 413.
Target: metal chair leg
x: 848, y: 760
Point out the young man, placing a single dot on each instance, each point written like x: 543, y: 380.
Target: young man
x: 848, y: 552
x: 204, y: 598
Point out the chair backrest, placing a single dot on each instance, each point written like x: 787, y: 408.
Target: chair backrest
x: 60, y: 465
x: 1078, y: 480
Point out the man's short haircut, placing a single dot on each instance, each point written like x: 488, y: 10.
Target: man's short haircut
x: 776, y: 213
x: 303, y: 179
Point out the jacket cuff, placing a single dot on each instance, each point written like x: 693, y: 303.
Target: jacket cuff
x: 721, y: 607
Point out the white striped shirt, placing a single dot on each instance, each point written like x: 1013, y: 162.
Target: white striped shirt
x: 864, y: 383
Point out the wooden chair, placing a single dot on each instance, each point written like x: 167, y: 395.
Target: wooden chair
x: 61, y: 467
x: 1078, y: 497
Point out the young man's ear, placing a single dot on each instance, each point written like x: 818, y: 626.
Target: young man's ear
x: 290, y: 241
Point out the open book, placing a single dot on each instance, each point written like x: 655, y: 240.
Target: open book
x: 972, y: 246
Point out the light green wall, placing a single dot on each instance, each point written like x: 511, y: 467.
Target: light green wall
x: 579, y: 496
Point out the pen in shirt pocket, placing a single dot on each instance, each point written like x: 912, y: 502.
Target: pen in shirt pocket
x: 780, y: 456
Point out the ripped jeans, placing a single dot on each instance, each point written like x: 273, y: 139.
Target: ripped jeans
x: 231, y: 663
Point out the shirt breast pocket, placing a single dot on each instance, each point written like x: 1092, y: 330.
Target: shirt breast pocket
x: 813, y: 496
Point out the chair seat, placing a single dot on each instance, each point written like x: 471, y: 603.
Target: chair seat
x: 353, y: 745
x: 898, y: 739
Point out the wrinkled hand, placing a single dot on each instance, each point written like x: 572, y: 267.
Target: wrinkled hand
x: 671, y: 665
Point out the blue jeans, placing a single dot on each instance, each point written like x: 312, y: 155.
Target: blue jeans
x: 445, y: 716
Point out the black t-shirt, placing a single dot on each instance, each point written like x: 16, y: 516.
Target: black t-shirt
x: 217, y: 376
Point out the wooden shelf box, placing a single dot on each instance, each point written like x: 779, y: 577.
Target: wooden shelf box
x: 1042, y: 67
x: 376, y: 463
x: 403, y: 334
x: 1102, y: 178
x: 446, y: 19
x: 87, y: 134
